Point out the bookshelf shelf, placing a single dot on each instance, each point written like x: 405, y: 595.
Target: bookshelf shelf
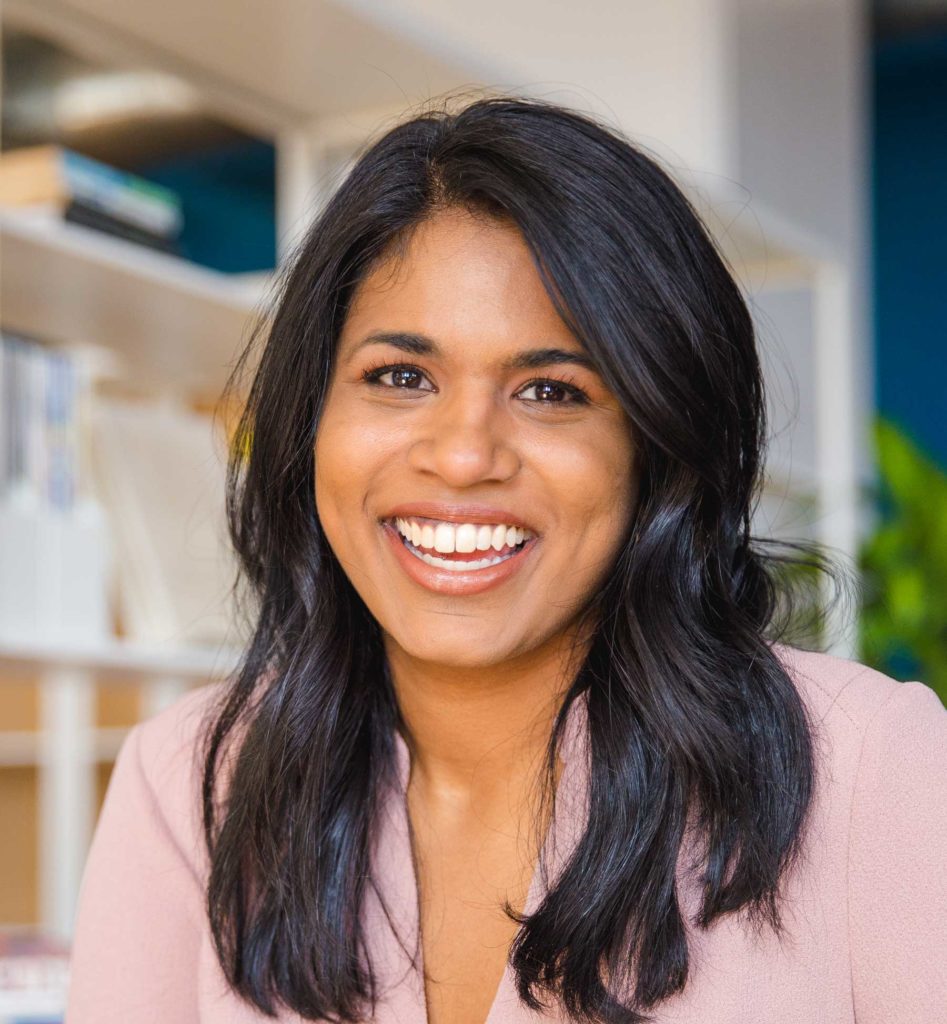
x: 22, y: 749
x: 168, y: 670
x: 120, y: 661
x: 166, y: 320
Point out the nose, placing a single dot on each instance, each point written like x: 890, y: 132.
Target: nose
x: 465, y: 439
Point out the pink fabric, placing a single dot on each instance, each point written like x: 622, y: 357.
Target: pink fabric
x: 867, y: 914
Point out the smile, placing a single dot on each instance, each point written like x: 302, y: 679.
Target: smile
x: 457, y: 558
x: 443, y: 544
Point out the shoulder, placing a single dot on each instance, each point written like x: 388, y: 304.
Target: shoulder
x: 882, y: 742
x: 156, y: 781
x: 168, y: 741
x: 885, y: 743
x: 854, y: 699
x: 140, y: 912
x: 885, y: 799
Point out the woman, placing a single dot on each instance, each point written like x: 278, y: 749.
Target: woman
x: 514, y: 739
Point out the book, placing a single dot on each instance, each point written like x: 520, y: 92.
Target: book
x: 40, y: 395
x: 81, y: 213
x: 159, y: 469
x: 55, y: 553
x: 34, y: 976
x: 45, y: 174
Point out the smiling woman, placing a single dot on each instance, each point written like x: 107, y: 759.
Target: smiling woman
x: 518, y: 735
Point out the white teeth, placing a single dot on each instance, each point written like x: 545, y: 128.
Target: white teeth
x: 446, y: 538
x: 465, y: 538
x: 456, y: 565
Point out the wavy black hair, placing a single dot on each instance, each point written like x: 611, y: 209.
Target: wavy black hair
x: 690, y: 710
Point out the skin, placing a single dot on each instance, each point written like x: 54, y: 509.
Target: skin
x: 478, y: 677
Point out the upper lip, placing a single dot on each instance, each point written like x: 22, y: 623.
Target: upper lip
x: 454, y: 513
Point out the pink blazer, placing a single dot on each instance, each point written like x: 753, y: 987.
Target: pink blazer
x: 867, y: 917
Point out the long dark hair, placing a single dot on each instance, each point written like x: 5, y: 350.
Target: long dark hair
x: 690, y: 710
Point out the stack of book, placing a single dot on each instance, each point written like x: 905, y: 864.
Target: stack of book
x: 40, y: 390
x: 89, y: 192
x: 34, y: 977
x: 54, y: 548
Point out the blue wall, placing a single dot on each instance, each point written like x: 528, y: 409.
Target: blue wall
x: 229, y: 202
x: 910, y: 236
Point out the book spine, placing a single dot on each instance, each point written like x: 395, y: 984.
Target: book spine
x: 5, y: 397
x: 122, y: 195
x: 38, y: 457
x: 21, y: 406
x: 80, y: 213
x: 58, y: 428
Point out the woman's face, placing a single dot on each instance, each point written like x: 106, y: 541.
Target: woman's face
x: 456, y: 415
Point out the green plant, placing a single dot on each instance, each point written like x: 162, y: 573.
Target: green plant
x: 903, y: 620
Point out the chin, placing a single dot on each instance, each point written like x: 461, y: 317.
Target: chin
x: 456, y: 649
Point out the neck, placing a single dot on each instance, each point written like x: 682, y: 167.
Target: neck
x: 474, y: 730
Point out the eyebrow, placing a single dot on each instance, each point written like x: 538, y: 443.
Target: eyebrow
x: 528, y: 359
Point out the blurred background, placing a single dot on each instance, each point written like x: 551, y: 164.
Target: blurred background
x: 158, y: 160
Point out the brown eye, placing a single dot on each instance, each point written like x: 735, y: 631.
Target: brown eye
x: 403, y: 377
x: 555, y: 392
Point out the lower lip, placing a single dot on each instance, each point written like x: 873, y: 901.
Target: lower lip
x: 447, y: 581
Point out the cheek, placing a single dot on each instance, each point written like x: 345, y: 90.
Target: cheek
x: 604, y: 496
x: 338, y: 456
x: 595, y: 486
x: 351, y: 454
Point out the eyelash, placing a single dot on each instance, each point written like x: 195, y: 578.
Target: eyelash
x: 577, y: 395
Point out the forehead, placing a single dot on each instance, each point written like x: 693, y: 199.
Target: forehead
x: 463, y: 279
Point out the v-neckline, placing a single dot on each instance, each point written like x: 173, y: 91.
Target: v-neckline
x: 398, y: 877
